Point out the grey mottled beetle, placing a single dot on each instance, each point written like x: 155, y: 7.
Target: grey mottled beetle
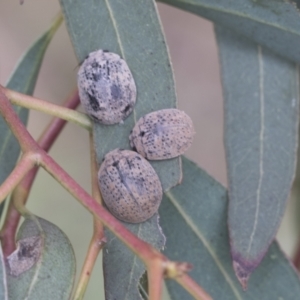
x: 106, y: 87
x: 162, y: 134
x: 129, y: 186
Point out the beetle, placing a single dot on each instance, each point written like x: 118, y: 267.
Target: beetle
x: 106, y: 87
x: 129, y: 186
x: 162, y: 134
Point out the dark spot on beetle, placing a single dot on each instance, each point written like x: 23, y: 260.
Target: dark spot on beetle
x: 96, y: 76
x: 127, y: 108
x: 116, y: 92
x: 93, y: 102
x: 95, y: 65
x: 129, y: 163
x: 115, y: 163
x: 142, y: 133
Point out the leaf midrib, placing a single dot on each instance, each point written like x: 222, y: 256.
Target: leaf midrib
x: 132, y: 267
x: 114, y: 22
x: 261, y: 146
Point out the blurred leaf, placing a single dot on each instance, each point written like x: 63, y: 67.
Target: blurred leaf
x: 122, y: 266
x: 45, y: 248
x: 22, y: 80
x: 261, y: 92
x: 132, y: 29
x: 297, y: 2
x: 3, y: 281
x: 25, y: 75
x: 274, y: 24
x: 194, y: 219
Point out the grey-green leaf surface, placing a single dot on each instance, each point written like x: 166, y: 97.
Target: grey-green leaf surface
x: 194, y: 219
x: 122, y: 266
x: 3, y: 281
x: 52, y: 275
x: 23, y: 80
x: 261, y: 93
x: 274, y: 24
x: 132, y: 29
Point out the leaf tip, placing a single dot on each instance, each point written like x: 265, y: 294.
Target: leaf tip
x: 242, y: 273
x: 243, y: 267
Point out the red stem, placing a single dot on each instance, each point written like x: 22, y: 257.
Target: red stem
x: 49, y: 136
x: 45, y: 141
x: 194, y: 289
x: 155, y: 279
x: 28, y: 144
x: 142, y: 249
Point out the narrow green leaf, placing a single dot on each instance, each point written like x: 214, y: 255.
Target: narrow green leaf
x: 261, y: 92
x: 43, y: 266
x: 274, y: 24
x: 194, y: 219
x: 22, y: 80
x: 131, y: 29
x: 3, y: 280
x: 122, y: 266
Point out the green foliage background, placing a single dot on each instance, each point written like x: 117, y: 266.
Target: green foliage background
x: 194, y: 56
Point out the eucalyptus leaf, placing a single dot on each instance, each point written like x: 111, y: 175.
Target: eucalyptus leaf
x: 194, y: 219
x: 43, y: 266
x: 23, y: 80
x: 132, y: 29
x: 122, y: 268
x: 261, y: 92
x: 274, y: 24
x: 3, y: 281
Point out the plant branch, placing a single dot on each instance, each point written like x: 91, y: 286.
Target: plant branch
x: 22, y: 190
x: 22, y: 168
x: 26, y: 142
x: 155, y: 279
x: 49, y: 108
x: 98, y: 239
x: 177, y: 271
x: 142, y: 249
x: 192, y: 287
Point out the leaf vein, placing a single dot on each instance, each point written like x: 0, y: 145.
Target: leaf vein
x: 206, y: 244
x: 261, y: 146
